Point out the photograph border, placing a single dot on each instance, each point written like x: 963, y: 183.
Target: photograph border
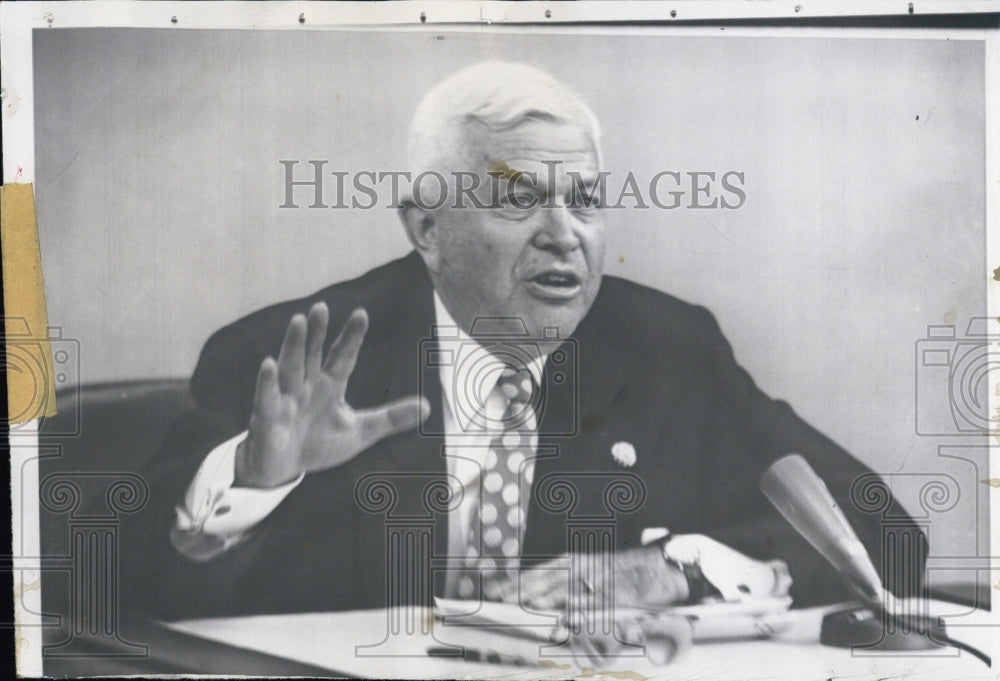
x: 18, y: 20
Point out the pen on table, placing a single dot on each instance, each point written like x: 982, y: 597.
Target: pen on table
x: 475, y: 655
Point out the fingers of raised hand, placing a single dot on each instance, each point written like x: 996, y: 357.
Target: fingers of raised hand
x: 291, y: 357
x: 301, y: 354
x: 343, y: 353
x: 301, y: 351
x: 267, y: 396
x: 319, y: 317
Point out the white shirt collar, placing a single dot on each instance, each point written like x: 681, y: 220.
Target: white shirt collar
x: 465, y: 386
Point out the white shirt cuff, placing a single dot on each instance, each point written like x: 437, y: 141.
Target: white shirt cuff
x: 214, y: 515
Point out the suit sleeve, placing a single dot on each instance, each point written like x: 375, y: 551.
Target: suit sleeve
x: 749, y: 428
x: 157, y: 579
x: 213, y: 516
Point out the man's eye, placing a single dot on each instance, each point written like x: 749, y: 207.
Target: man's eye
x: 584, y: 201
x: 519, y: 200
x: 517, y: 206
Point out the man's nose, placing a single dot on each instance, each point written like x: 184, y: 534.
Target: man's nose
x: 556, y: 233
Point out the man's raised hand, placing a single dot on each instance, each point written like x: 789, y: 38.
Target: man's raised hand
x: 300, y: 422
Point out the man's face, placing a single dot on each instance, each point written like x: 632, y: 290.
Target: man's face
x: 535, y: 250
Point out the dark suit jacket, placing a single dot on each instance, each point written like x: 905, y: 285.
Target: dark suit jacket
x: 643, y: 367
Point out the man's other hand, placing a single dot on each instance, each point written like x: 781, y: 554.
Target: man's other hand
x: 631, y: 578
x: 300, y: 422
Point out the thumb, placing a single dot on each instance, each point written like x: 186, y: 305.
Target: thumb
x: 408, y: 412
x: 395, y: 417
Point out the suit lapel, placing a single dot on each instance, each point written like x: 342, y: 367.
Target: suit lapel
x: 580, y: 392
x: 412, y: 462
x: 410, y: 354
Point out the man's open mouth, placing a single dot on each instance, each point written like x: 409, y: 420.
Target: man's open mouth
x: 555, y: 284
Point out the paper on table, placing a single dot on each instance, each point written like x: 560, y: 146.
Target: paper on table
x: 755, y: 618
x: 508, y: 631
x: 709, y: 621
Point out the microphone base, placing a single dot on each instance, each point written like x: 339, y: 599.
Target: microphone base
x: 861, y: 627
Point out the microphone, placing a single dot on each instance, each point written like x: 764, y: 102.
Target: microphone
x: 802, y: 498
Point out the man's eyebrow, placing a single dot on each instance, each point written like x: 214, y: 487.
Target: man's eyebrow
x: 500, y: 169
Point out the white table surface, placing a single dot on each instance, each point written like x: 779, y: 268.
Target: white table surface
x: 330, y: 640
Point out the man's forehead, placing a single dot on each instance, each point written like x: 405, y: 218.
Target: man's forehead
x: 533, y: 143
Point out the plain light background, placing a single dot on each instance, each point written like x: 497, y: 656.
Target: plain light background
x: 158, y: 186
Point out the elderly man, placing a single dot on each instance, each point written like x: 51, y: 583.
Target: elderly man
x: 492, y: 390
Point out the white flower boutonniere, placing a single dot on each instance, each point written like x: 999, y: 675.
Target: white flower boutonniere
x: 623, y: 453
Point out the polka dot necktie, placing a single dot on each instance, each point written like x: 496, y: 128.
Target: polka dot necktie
x: 494, y: 539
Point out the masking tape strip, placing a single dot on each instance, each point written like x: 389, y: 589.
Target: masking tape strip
x: 30, y: 381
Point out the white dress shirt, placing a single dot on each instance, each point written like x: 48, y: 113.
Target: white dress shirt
x: 214, y: 515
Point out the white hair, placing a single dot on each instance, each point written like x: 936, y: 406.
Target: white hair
x: 498, y: 95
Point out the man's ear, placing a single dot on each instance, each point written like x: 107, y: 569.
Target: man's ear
x: 422, y: 230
